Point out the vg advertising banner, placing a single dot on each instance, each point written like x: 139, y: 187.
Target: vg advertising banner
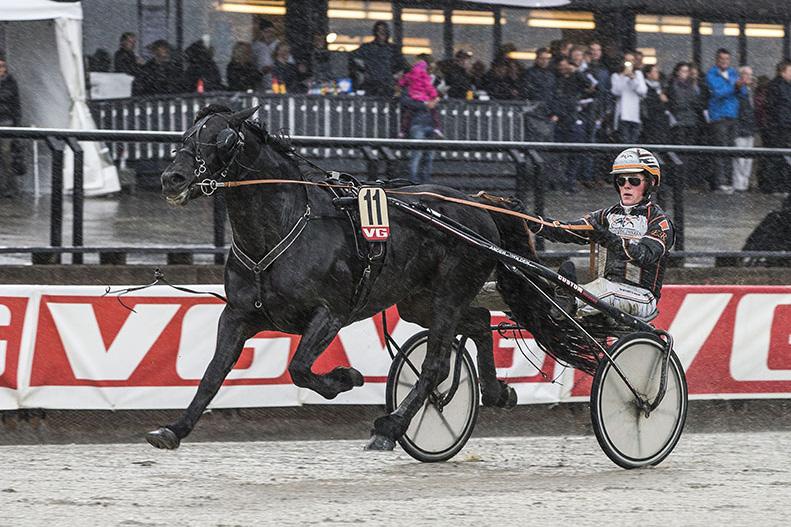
x: 67, y: 347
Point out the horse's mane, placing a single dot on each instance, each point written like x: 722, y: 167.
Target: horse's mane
x: 211, y: 109
x: 279, y: 141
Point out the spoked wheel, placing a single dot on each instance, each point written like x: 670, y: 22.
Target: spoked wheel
x: 439, y: 430
x: 627, y: 435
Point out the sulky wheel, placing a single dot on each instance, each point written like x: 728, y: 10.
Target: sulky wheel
x: 437, y: 432
x: 629, y: 437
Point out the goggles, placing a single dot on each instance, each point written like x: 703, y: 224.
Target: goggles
x: 633, y: 181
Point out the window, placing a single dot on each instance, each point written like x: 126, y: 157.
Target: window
x: 351, y: 23
x: 474, y: 31
x: 422, y: 32
x: 530, y: 29
x: 764, y: 47
x: 664, y: 40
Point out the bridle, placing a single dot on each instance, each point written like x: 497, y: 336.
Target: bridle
x: 231, y: 147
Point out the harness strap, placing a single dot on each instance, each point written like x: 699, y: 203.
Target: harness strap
x: 258, y: 267
x: 212, y: 184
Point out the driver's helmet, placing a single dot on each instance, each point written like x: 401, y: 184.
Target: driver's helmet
x: 634, y: 161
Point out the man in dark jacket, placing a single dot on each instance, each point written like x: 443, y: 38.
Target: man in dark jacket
x: 10, y: 114
x: 538, y: 82
x: 778, y: 104
x: 125, y: 59
x: 457, y: 75
x: 160, y: 75
x: 380, y: 60
x: 572, y: 96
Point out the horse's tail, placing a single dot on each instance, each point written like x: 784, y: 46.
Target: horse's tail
x: 529, y: 307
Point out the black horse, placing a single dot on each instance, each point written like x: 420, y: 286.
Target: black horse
x: 311, y: 289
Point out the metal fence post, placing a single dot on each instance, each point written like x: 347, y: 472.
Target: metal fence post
x: 522, y: 174
x: 371, y: 162
x: 677, y: 180
x: 77, y: 199
x: 55, y: 204
x: 538, y: 190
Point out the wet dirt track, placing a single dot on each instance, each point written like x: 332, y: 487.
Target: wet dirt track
x: 711, y: 479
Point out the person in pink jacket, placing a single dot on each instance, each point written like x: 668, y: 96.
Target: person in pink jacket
x: 420, y: 87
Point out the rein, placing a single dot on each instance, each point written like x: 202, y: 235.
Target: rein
x: 212, y: 185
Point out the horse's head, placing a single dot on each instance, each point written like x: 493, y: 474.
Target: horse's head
x: 209, y: 149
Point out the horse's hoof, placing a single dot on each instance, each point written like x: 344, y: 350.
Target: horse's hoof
x: 163, y: 438
x: 356, y: 377
x: 380, y: 443
x: 510, y: 398
x: 506, y: 399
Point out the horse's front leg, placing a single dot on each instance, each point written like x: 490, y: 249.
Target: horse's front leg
x: 322, y: 328
x: 232, y: 332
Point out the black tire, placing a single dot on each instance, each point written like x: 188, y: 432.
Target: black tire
x: 630, y: 439
x: 434, y: 436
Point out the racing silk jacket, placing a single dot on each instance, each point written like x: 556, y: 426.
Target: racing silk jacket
x: 637, y: 242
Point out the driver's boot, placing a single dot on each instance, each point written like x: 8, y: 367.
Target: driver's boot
x: 564, y: 298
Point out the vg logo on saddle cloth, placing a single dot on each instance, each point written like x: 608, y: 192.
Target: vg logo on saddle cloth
x: 374, y: 221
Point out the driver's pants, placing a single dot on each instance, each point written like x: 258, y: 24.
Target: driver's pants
x: 630, y: 299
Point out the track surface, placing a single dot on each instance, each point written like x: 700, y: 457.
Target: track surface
x: 711, y: 479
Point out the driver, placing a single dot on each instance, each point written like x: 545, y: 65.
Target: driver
x: 636, y: 235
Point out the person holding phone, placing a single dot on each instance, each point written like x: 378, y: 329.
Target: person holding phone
x: 628, y: 87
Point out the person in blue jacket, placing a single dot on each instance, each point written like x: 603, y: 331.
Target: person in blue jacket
x: 724, y: 87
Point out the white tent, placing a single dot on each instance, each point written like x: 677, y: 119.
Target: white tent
x: 43, y: 41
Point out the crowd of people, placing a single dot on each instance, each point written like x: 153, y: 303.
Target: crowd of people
x: 578, y: 92
x: 582, y: 96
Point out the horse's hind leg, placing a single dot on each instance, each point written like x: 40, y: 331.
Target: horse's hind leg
x: 232, y: 332
x: 315, y: 339
x: 436, y: 367
x: 475, y: 324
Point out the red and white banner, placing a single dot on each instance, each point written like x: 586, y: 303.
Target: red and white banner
x: 69, y: 347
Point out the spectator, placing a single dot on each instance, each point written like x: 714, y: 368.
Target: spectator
x: 421, y: 127
x: 202, y: 73
x: 638, y: 59
x: 420, y: 87
x: 160, y: 75
x: 725, y: 88
x: 601, y: 107
x: 499, y: 82
x: 656, y: 123
x: 561, y: 49
x: 539, y: 81
x: 286, y: 72
x: 100, y: 61
x: 628, y: 87
x: 380, y: 61
x: 457, y: 75
x: 686, y: 108
x: 745, y: 130
x: 125, y: 59
x: 477, y: 73
x: 778, y: 103
x: 577, y: 57
x: 241, y: 72
x: 263, y: 51
x: 10, y: 115
x: 572, y: 87
x: 320, y: 63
